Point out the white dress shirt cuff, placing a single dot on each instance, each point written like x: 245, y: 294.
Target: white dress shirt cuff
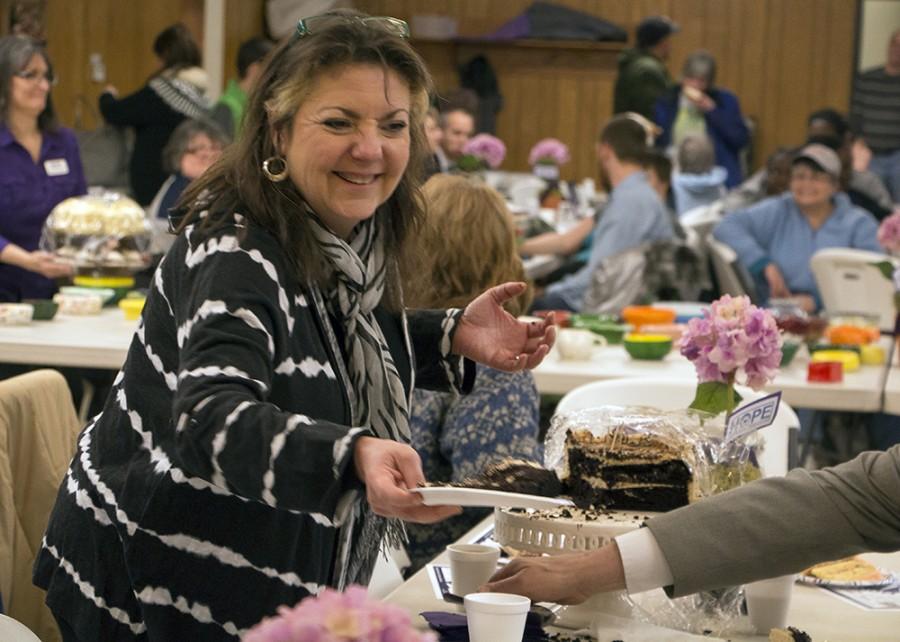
x: 645, y: 565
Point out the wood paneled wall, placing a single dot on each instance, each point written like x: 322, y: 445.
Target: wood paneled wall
x: 783, y: 59
x: 122, y: 32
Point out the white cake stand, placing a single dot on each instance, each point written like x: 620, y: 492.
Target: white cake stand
x: 569, y: 530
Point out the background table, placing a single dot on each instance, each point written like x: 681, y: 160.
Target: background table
x: 822, y: 615
x: 96, y: 341
x: 860, y: 391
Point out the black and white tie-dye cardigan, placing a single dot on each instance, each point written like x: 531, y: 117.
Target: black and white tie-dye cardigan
x: 206, y: 493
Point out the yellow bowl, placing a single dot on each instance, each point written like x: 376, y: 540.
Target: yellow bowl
x: 848, y: 358
x: 132, y: 308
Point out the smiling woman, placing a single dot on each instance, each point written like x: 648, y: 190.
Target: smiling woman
x: 254, y: 449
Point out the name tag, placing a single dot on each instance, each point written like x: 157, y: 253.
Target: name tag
x: 751, y: 417
x: 56, y: 167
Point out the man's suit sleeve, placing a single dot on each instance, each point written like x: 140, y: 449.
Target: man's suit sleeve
x: 782, y: 525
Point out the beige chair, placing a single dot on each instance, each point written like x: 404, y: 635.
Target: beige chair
x: 38, y: 429
x: 732, y: 277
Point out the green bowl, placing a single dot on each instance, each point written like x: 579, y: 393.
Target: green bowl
x: 612, y: 332
x: 788, y: 352
x: 44, y: 309
x: 648, y: 350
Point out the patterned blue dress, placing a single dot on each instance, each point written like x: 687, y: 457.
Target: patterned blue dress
x: 459, y: 436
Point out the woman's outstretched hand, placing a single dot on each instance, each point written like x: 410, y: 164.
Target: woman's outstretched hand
x: 490, y: 335
x: 389, y: 470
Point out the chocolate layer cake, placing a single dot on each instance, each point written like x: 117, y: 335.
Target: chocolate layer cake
x: 515, y: 476
x: 627, y: 470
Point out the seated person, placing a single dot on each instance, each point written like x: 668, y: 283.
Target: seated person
x: 864, y: 187
x: 698, y: 107
x: 858, y: 198
x: 459, y: 436
x: 698, y: 181
x: 228, y: 112
x: 633, y: 216
x: 434, y: 134
x: 776, y: 238
x: 194, y: 146
x: 771, y: 180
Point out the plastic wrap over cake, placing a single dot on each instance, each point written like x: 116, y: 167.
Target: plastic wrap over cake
x: 102, y: 232
x: 640, y: 458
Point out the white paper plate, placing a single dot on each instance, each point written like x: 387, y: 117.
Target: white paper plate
x: 889, y: 578
x: 452, y: 496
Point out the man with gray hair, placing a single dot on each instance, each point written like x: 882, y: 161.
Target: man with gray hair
x: 698, y: 107
x: 698, y: 181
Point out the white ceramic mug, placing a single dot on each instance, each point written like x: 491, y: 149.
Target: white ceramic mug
x: 578, y: 343
x: 471, y: 565
x: 496, y: 617
x: 768, y: 602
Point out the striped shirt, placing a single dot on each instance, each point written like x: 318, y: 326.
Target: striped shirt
x: 875, y: 110
x: 211, y: 489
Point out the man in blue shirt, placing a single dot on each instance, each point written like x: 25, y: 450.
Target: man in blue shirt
x: 633, y: 216
x: 776, y: 238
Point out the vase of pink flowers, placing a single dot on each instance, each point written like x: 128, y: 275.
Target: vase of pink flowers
x: 481, y: 152
x: 889, y: 233
x: 546, y: 157
x: 733, y: 342
x: 338, y: 617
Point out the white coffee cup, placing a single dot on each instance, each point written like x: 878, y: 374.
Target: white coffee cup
x: 496, y: 617
x: 768, y: 602
x: 471, y: 565
x: 578, y: 343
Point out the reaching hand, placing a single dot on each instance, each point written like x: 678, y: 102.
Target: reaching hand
x: 861, y: 155
x: 389, y: 469
x: 47, y: 265
x: 490, y: 335
x: 564, y: 579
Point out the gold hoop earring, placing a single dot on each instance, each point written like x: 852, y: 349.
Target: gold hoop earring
x: 277, y: 173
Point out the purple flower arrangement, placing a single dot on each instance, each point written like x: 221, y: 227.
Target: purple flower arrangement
x: 548, y: 151
x: 889, y: 232
x: 338, y: 617
x: 733, y: 342
x: 482, y: 152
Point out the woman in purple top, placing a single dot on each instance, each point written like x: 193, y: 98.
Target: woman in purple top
x: 39, y: 167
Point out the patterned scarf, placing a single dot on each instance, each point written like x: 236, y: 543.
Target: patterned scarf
x: 378, y: 399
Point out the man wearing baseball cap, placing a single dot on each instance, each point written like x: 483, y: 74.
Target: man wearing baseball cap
x: 642, y: 71
x: 776, y: 238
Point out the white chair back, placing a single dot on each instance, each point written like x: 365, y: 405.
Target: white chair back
x: 13, y: 631
x: 728, y: 270
x: 672, y: 394
x: 702, y: 219
x: 848, y: 282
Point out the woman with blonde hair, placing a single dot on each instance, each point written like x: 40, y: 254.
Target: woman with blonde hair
x: 458, y: 437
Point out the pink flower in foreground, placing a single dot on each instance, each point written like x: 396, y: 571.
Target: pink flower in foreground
x: 889, y: 232
x: 549, y: 150
x: 338, y: 617
x: 488, y: 148
x: 734, y: 341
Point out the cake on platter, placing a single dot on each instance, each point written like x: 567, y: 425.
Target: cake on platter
x: 101, y: 234
x: 644, y: 459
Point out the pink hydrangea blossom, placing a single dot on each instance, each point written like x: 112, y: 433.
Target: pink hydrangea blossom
x: 889, y: 232
x: 487, y: 148
x: 550, y: 151
x: 733, y: 342
x: 338, y: 617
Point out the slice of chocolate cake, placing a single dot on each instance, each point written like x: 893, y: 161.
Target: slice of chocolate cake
x: 515, y: 476
x: 627, y: 470
x: 790, y: 634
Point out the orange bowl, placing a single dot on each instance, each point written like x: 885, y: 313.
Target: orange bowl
x: 639, y: 315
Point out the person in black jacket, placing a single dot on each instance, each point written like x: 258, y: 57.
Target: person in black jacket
x: 254, y: 448
x: 175, y: 92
